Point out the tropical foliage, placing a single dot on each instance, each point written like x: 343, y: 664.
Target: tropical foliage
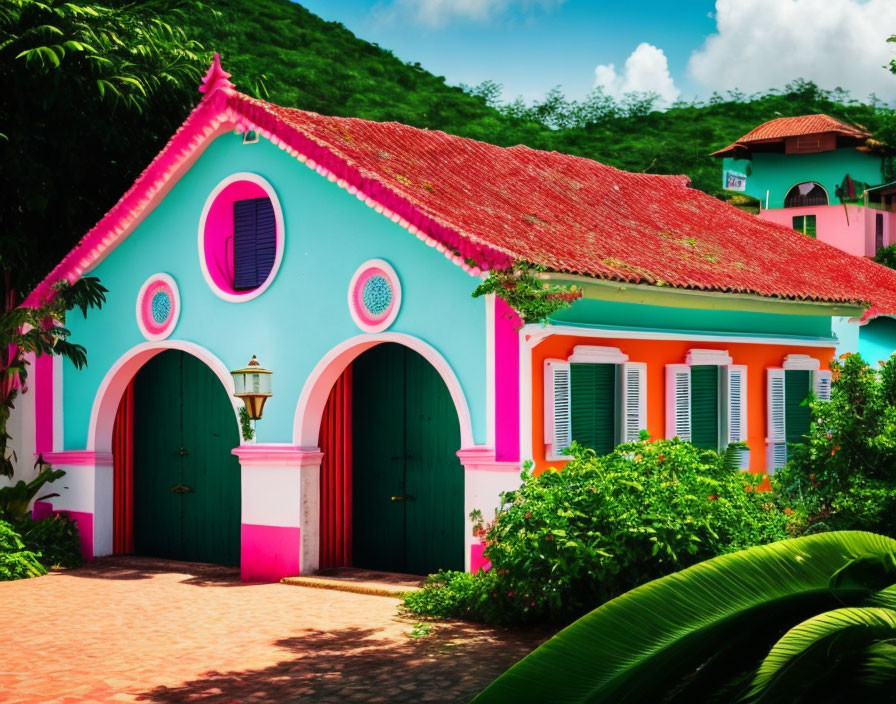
x: 38, y: 331
x: 844, y: 475
x: 54, y: 540
x: 16, y: 562
x: 565, y: 542
x: 886, y: 256
x: 533, y: 300
x: 811, y: 619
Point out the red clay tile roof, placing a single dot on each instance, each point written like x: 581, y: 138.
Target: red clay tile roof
x: 778, y: 130
x: 497, y: 205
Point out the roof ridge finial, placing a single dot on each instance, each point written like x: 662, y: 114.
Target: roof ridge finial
x: 216, y: 78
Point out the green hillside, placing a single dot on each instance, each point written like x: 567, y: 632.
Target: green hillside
x: 277, y: 50
x: 321, y: 66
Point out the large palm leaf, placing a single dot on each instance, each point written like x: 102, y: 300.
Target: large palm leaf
x: 826, y: 656
x: 700, y: 630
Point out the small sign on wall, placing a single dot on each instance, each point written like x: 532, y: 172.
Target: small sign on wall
x: 735, y: 181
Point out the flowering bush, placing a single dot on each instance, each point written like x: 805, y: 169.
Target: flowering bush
x: 844, y: 476
x: 565, y: 542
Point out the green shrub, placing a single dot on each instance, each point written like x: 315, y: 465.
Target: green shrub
x: 54, y: 540
x: 565, y: 542
x: 457, y: 595
x: 886, y: 256
x: 844, y: 476
x: 15, y: 561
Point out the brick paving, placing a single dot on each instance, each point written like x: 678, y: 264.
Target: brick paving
x: 135, y: 629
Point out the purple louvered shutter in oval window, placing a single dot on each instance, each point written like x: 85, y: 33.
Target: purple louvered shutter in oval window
x: 254, y: 242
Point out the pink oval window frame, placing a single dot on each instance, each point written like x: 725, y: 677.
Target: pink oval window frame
x: 216, y: 232
x: 158, y: 307
x: 374, y: 296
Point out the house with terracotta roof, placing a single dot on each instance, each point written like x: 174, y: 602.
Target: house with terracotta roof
x: 342, y: 254
x: 810, y: 173
x: 820, y: 176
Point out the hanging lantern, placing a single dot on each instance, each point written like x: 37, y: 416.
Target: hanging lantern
x: 253, y: 385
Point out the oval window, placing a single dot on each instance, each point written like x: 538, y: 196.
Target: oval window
x: 241, y: 237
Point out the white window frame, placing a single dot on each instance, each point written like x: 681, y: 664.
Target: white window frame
x: 776, y: 437
x: 627, y: 409
x: 678, y: 404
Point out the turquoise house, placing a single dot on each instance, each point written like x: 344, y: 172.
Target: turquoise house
x: 820, y: 176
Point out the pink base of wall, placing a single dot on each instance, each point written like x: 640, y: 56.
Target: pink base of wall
x: 478, y: 561
x: 44, y: 509
x: 269, y: 553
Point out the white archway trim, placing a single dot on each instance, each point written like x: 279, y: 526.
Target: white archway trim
x: 108, y: 396
x: 310, y: 408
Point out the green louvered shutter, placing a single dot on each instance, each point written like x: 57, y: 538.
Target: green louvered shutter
x: 797, y: 386
x: 705, y: 406
x: 593, y: 394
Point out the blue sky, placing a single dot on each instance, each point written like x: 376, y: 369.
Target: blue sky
x: 678, y: 48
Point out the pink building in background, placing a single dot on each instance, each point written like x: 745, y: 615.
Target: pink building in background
x: 819, y: 176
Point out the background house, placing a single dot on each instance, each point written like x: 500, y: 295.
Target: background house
x: 821, y: 177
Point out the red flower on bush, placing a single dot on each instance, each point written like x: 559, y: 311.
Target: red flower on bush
x: 714, y: 497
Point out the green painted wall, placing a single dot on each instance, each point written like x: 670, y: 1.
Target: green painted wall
x: 302, y: 315
x: 877, y: 340
x: 778, y: 173
x: 611, y: 314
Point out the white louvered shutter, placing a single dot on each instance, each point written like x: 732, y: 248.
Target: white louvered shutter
x: 557, y: 408
x: 777, y: 426
x: 634, y: 400
x: 678, y: 401
x: 821, y: 382
x: 736, y: 411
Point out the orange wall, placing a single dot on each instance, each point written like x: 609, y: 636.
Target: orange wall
x: 657, y: 354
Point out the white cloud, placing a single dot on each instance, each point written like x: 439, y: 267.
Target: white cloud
x: 646, y: 70
x: 437, y: 13
x: 761, y: 44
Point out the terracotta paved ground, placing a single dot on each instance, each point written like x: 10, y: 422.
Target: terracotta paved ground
x: 131, y: 629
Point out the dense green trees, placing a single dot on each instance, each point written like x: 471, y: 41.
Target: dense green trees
x: 94, y: 90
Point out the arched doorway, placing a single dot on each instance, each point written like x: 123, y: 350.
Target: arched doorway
x: 806, y: 194
x: 392, y: 487
x: 176, y: 483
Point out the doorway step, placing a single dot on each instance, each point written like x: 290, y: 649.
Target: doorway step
x: 358, y: 581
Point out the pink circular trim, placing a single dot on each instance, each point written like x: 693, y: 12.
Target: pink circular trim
x: 152, y: 330
x: 363, y: 317
x: 216, y: 225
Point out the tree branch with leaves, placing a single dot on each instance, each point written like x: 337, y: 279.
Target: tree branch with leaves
x: 27, y: 332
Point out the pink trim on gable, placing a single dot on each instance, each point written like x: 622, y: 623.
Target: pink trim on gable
x: 269, y: 553
x: 43, y: 404
x: 220, y: 110
x: 478, y: 561
x: 42, y: 510
x: 507, y: 382
x: 206, y: 122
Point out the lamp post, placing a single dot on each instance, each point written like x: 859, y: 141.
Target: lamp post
x: 252, y: 384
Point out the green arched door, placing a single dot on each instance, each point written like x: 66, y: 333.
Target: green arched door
x: 407, y: 482
x: 186, y: 480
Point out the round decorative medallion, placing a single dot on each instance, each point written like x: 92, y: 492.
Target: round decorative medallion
x: 158, y: 307
x: 374, y: 296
